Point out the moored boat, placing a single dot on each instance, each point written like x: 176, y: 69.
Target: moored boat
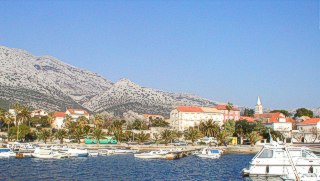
x: 75, y: 152
x: 152, y: 155
x: 6, y: 153
x: 209, y: 153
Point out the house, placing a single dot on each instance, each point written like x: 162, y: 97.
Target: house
x: 247, y: 118
x: 276, y: 121
x: 309, y: 130
x: 183, y: 117
x: 233, y: 114
x: 39, y: 113
x: 152, y: 116
x: 58, y: 123
x: 77, y: 113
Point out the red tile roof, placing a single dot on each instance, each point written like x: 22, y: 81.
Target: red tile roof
x: 189, y: 109
x: 73, y: 111
x: 270, y: 117
x: 310, y: 121
x: 248, y: 119
x: 59, y: 114
x: 224, y: 107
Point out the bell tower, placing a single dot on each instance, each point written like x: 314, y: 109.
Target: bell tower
x: 259, y: 107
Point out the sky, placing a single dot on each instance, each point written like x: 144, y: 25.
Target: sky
x: 226, y: 51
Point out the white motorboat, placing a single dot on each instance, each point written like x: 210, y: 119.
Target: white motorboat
x: 105, y: 152
x: 123, y: 151
x: 152, y: 155
x: 47, y: 154
x: 209, y: 153
x: 75, y: 152
x: 288, y: 163
x: 6, y: 153
x: 93, y: 154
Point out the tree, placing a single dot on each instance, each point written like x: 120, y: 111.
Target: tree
x: 315, y: 133
x: 22, y: 115
x: 253, y: 137
x: 230, y: 126
x: 156, y: 137
x: 166, y: 136
x: 44, y: 135
x: 118, y: 134
x: 248, y: 112
x: 60, y: 135
x: 158, y: 122
x: 7, y: 118
x: 142, y: 137
x: 78, y: 133
x: 67, y: 121
x: 209, y: 128
x: 50, y: 118
x: 137, y: 124
x: 24, y: 130
x: 98, y: 134
x: 192, y: 134
x: 303, y: 112
x: 222, y: 136
x: 229, y: 107
x: 82, y: 121
x: 87, y: 130
x: 98, y: 121
x: 284, y: 112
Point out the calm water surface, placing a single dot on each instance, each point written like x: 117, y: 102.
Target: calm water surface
x: 125, y: 167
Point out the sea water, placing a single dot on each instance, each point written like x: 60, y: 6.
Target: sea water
x: 125, y: 167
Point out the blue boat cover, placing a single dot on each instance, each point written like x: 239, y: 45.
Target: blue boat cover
x: 214, y: 151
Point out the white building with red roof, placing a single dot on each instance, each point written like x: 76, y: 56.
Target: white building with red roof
x: 184, y: 117
x: 277, y: 121
x: 77, y: 113
x: 232, y: 114
x: 310, y: 129
x: 59, y: 118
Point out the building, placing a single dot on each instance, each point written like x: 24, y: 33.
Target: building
x: 309, y: 130
x: 39, y: 113
x: 58, y: 123
x: 77, y: 113
x: 152, y: 116
x: 248, y: 119
x: 184, y: 117
x: 259, y: 107
x: 233, y: 114
x: 276, y: 121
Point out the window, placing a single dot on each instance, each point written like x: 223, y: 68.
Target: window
x: 266, y: 154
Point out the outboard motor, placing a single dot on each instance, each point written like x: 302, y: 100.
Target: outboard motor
x: 310, y: 169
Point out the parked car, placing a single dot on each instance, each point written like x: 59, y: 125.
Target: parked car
x: 207, y: 140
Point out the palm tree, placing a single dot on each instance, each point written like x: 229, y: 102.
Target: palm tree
x: 209, y: 128
x: 22, y: 114
x: 44, y: 135
x: 222, y: 137
x: 166, y: 136
x: 98, y: 121
x: 142, y: 137
x: 229, y: 107
x: 82, y: 121
x: 192, y: 134
x: 7, y: 118
x: 253, y: 137
x: 60, y: 135
x: 118, y: 133
x: 67, y: 121
x: 51, y: 118
x: 98, y: 134
x: 78, y: 134
x: 86, y: 130
x: 156, y: 138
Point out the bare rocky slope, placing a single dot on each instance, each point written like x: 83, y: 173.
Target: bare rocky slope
x: 45, y: 82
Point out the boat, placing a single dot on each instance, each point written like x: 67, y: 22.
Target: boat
x: 93, y: 154
x: 47, y: 154
x: 286, y: 162
x: 6, y: 153
x: 209, y: 153
x: 105, y: 152
x: 161, y: 154
x: 75, y: 152
x: 124, y: 151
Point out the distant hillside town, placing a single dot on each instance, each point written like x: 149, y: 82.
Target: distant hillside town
x: 224, y: 123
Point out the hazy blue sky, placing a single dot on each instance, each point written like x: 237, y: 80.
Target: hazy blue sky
x: 222, y: 50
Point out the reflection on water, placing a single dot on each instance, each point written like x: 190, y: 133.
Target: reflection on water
x: 125, y: 167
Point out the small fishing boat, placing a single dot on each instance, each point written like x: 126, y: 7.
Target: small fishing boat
x: 209, y: 153
x: 93, y: 154
x: 47, y: 154
x: 124, y: 151
x: 75, y: 152
x: 161, y: 154
x: 105, y: 152
x: 6, y: 153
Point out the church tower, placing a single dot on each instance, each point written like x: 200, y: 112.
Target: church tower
x: 259, y: 107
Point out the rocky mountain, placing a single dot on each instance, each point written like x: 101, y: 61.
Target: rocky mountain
x: 45, y: 82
